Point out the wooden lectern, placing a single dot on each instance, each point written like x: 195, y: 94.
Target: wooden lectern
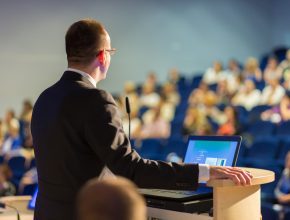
x: 233, y: 202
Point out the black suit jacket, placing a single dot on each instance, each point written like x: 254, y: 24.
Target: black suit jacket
x: 77, y: 130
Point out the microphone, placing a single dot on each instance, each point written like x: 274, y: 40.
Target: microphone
x: 128, y: 110
x: 3, y: 205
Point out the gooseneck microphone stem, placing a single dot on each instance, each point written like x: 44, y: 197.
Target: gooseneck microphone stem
x: 128, y: 110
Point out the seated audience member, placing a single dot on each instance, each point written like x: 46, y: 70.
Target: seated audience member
x: 247, y: 96
x: 173, y: 76
x: 272, y: 93
x: 167, y: 111
x: 25, y: 121
x: 197, y: 96
x: 282, y: 190
x: 30, y: 177
x: 214, y: 74
x: 12, y: 141
x: 9, y: 116
x: 170, y: 93
x: 149, y: 98
x: 252, y: 70
x: 155, y: 126
x: 130, y: 92
x: 285, y: 64
x: 196, y: 123
x: 151, y: 79
x: 211, y: 110
x: 223, y: 93
x: 286, y: 78
x: 233, y: 76
x: 6, y: 187
x: 231, y: 126
x: 280, y: 112
x: 271, y: 70
x: 233, y: 68
x: 110, y: 199
x: 136, y: 124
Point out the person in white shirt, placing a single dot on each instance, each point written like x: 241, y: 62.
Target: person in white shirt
x: 273, y: 93
x: 247, y: 96
x: 214, y: 74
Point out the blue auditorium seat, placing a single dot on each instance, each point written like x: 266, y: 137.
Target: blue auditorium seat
x: 175, y: 145
x: 287, y: 215
x: 261, y: 128
x: 32, y: 163
x: 283, y: 129
x: 213, y: 87
x: 176, y: 129
x: 196, y: 81
x: 255, y: 113
x: 17, y: 165
x: 284, y: 148
x: 151, y: 148
x: 28, y: 189
x: 268, y: 213
x: 263, y: 150
x: 142, y: 110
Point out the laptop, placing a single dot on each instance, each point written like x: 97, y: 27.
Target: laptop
x: 31, y: 204
x: 211, y: 150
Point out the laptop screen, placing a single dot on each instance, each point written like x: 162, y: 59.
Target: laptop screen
x: 213, y: 150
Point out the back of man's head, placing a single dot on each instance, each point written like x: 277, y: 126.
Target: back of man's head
x: 110, y: 199
x: 83, y: 40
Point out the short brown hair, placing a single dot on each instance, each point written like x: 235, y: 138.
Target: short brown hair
x: 111, y: 199
x: 83, y: 40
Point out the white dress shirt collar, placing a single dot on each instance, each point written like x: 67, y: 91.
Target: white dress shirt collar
x: 84, y: 74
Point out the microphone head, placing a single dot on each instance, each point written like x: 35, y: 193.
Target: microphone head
x: 128, y: 109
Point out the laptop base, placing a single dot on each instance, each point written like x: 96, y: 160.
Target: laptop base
x: 194, y: 206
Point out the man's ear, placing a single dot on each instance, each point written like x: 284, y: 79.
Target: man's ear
x: 101, y: 57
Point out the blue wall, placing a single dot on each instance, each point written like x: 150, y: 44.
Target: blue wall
x: 149, y: 35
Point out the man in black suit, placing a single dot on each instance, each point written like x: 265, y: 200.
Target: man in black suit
x: 78, y: 135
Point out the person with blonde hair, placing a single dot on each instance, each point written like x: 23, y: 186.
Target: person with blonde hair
x: 252, y: 70
x: 110, y: 199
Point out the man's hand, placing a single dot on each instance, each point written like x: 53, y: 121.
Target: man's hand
x: 237, y: 175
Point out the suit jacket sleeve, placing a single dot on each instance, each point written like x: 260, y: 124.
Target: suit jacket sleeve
x: 105, y: 135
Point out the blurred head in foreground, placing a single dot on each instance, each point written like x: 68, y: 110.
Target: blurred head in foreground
x: 110, y: 199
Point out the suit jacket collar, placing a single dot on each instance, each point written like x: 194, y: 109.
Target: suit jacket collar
x: 74, y: 76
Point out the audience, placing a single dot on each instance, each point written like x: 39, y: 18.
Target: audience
x: 197, y: 96
x: 12, y: 139
x: 25, y: 119
x: 206, y: 109
x: 284, y: 65
x: 196, y: 123
x: 149, y: 97
x: 213, y: 74
x: 282, y: 190
x: 231, y: 126
x: 252, y: 70
x: 6, y: 187
x: 271, y: 70
x: 110, y: 199
x: 155, y: 125
x: 273, y: 92
x: 278, y: 113
x: 247, y: 96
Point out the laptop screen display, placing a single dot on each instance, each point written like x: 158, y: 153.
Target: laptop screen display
x: 215, y: 150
